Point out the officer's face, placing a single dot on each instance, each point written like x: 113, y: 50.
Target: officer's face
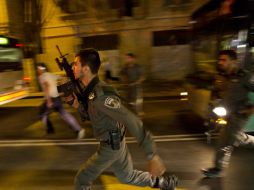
x: 77, y: 68
x: 225, y: 63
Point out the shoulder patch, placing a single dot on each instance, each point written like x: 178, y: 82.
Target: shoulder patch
x: 91, y: 96
x: 112, y: 102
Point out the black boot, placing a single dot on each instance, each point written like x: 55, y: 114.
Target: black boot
x: 166, y: 182
x: 212, y: 172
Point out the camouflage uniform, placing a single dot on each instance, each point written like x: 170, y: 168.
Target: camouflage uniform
x: 107, y: 113
x: 235, y: 99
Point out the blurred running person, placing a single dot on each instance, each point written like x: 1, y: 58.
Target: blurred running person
x: 133, y: 73
x: 48, y: 82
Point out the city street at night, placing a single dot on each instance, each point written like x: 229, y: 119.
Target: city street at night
x: 32, y: 160
x: 171, y: 79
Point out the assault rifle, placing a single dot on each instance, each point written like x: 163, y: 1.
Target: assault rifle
x: 73, y: 85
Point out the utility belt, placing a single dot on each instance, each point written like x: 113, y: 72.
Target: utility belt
x: 115, y: 138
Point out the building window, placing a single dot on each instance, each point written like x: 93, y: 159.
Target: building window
x: 177, y: 3
x: 171, y: 37
x: 101, y: 42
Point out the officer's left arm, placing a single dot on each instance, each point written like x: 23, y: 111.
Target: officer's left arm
x: 111, y: 106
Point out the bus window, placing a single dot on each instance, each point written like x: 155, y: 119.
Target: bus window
x: 218, y: 25
x: 12, y: 86
x: 10, y: 59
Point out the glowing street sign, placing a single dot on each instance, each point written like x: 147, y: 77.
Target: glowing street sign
x: 4, y: 41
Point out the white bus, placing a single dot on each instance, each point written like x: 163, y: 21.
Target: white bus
x: 12, y: 80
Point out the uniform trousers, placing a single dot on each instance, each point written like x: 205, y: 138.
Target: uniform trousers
x: 232, y: 135
x: 121, y: 163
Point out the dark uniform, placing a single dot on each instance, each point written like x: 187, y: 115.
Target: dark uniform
x: 235, y: 99
x: 134, y: 91
x: 220, y: 86
x: 109, y: 117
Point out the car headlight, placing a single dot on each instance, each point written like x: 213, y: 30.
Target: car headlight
x: 220, y: 111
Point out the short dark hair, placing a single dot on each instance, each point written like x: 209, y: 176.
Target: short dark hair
x: 131, y: 55
x: 90, y: 57
x: 230, y: 53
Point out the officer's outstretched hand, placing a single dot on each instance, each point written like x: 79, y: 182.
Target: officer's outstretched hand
x: 156, y: 166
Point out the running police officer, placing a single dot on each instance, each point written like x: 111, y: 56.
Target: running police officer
x: 236, y: 85
x: 109, y: 119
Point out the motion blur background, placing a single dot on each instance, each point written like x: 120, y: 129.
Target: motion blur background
x: 158, y: 32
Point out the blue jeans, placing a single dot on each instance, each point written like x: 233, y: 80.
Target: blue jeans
x: 58, y: 107
x: 121, y: 163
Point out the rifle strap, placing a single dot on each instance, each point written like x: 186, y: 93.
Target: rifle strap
x: 88, y: 90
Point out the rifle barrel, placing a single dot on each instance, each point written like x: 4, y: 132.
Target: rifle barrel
x: 57, y: 47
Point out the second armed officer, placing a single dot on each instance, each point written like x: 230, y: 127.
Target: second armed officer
x: 235, y: 84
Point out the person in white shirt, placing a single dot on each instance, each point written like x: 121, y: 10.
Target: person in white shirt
x: 48, y: 82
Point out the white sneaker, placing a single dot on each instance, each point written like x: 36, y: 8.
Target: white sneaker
x: 81, y: 134
x: 244, y: 139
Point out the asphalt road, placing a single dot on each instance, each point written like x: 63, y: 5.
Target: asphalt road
x: 52, y: 165
x: 164, y: 112
x: 32, y: 161
x: 167, y: 117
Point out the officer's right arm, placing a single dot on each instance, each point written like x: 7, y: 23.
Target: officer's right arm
x: 111, y: 106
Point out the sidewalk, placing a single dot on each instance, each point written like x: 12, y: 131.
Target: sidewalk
x: 150, y: 89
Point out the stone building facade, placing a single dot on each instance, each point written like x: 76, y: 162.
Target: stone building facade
x: 157, y: 31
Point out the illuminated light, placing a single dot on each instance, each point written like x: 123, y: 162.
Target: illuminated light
x: 221, y: 121
x: 235, y: 42
x: 12, y: 96
x: 241, y: 46
x: 184, y: 99
x: 26, y: 78
x: 19, y: 45
x: 4, y: 41
x: 192, y: 22
x: 184, y: 93
x: 220, y: 111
